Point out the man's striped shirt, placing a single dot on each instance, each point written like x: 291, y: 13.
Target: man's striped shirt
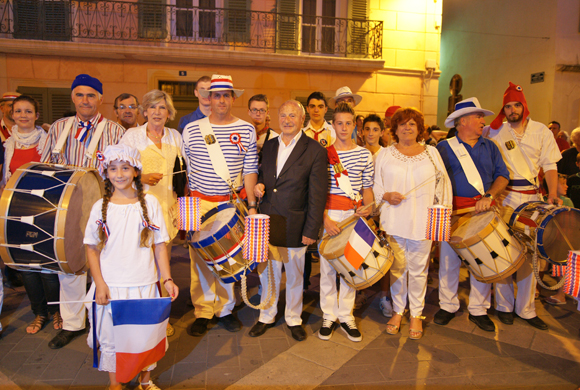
x: 358, y: 162
x: 244, y: 158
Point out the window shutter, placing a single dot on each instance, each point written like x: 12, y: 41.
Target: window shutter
x: 288, y: 22
x: 237, y: 21
x: 53, y: 103
x: 152, y: 19
x: 40, y: 19
x: 358, y: 28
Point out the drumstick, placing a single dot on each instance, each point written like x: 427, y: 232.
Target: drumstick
x: 342, y: 224
x: 91, y: 301
x: 175, y: 173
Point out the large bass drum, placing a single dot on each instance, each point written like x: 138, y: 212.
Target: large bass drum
x: 44, y: 211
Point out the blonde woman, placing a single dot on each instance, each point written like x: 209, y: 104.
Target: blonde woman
x: 159, y: 146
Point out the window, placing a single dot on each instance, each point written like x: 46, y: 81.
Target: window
x: 42, y: 19
x: 359, y: 27
x: 152, y: 19
x: 184, y: 18
x: 318, y: 26
x: 207, y: 19
x: 287, y: 25
x: 53, y: 103
x: 237, y: 21
x: 183, y: 97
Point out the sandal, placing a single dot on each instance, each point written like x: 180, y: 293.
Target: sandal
x: 170, y: 331
x: 394, y: 329
x: 36, y: 325
x: 554, y: 301
x: 57, y: 321
x: 415, y: 334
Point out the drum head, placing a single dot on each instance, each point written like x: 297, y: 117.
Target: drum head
x: 78, y: 204
x: 472, y: 226
x: 561, y: 231
x: 215, y: 220
x: 334, y: 246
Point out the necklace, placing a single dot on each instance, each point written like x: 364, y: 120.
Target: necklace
x: 157, y: 137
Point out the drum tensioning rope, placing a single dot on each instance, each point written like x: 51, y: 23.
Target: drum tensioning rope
x: 270, y: 295
x: 558, y: 285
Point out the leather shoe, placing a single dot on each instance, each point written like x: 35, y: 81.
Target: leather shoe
x: 506, y: 317
x: 259, y: 329
x: 199, y: 327
x: 442, y: 317
x: 231, y: 323
x: 298, y: 332
x: 64, y: 337
x: 536, y: 322
x: 484, y: 322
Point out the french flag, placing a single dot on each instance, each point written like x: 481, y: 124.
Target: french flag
x: 359, y: 244
x: 139, y: 327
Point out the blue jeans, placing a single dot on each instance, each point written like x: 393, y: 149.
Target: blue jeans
x: 41, y: 288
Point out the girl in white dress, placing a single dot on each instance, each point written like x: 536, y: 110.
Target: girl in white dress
x: 125, y: 239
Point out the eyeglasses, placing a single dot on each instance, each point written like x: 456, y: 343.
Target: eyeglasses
x: 255, y: 111
x: 130, y: 107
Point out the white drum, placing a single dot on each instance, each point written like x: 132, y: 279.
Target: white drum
x: 487, y: 246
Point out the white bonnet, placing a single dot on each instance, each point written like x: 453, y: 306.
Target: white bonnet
x: 120, y: 152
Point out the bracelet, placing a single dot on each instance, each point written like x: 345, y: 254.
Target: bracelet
x: 252, y: 207
x: 167, y: 280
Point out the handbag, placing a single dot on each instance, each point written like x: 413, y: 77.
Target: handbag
x: 179, y: 174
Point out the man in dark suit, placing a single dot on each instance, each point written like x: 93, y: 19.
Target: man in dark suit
x: 293, y: 182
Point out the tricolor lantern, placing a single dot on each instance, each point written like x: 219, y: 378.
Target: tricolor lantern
x: 572, y: 283
x: 257, y: 230
x: 189, y: 213
x: 438, y: 223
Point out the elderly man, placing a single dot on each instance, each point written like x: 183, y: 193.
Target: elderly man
x: 567, y: 165
x: 212, y: 172
x: 127, y: 110
x: 478, y: 175
x: 6, y: 107
x: 293, y: 185
x: 526, y: 146
x: 204, y: 108
x: 70, y: 142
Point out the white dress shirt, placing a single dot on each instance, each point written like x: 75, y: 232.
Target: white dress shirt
x: 284, y: 151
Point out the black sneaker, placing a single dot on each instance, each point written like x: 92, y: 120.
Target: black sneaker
x: 351, y: 331
x: 325, y: 331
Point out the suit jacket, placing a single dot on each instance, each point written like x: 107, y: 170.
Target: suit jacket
x: 295, y: 199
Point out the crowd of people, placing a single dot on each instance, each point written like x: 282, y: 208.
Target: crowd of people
x: 310, y: 179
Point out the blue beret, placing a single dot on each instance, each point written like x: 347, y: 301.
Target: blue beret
x: 85, y: 79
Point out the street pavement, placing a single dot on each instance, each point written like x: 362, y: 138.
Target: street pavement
x: 456, y: 356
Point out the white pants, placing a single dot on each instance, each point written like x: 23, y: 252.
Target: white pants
x: 335, y: 305
x: 479, y: 293
x: 409, y: 274
x: 209, y: 294
x: 73, y: 288
x: 292, y: 259
x: 524, y: 276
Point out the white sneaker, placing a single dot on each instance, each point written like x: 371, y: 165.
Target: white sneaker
x: 386, y: 307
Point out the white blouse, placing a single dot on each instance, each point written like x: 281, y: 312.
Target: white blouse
x: 413, y: 177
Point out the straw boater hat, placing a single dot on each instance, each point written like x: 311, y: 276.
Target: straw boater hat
x: 344, y: 92
x: 221, y: 82
x: 9, y: 96
x: 465, y: 107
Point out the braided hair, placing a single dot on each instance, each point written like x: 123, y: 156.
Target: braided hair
x: 146, y: 234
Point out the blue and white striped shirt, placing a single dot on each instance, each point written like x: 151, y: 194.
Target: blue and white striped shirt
x: 358, y: 162
x: 202, y: 176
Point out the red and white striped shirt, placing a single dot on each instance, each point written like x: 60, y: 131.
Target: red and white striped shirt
x: 73, y: 151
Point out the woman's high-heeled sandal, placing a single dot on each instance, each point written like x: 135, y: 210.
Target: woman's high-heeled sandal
x: 415, y: 334
x: 36, y: 325
x: 394, y: 329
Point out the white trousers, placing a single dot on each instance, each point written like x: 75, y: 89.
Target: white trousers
x: 524, y: 276
x: 335, y: 305
x: 73, y: 288
x: 209, y: 294
x: 479, y: 293
x: 409, y: 274
x: 292, y: 259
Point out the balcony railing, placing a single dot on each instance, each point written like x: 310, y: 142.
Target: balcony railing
x: 151, y: 23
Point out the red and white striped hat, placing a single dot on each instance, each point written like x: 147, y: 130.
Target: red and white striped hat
x: 220, y: 82
x: 9, y: 96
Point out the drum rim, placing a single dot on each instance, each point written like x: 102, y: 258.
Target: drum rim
x: 222, y: 231
x: 325, y: 241
x: 470, y: 241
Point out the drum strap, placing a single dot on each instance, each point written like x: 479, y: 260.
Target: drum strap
x: 469, y: 168
x: 516, y: 155
x: 216, y: 155
x: 94, y: 140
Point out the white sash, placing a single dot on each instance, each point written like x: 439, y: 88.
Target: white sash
x: 344, y: 183
x: 92, y: 145
x: 516, y: 155
x: 469, y: 168
x: 218, y: 161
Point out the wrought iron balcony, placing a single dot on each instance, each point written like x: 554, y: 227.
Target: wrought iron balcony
x: 150, y: 22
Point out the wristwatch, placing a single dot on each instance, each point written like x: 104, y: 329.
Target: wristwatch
x: 488, y: 195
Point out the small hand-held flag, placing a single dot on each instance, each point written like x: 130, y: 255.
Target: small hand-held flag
x: 359, y: 244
